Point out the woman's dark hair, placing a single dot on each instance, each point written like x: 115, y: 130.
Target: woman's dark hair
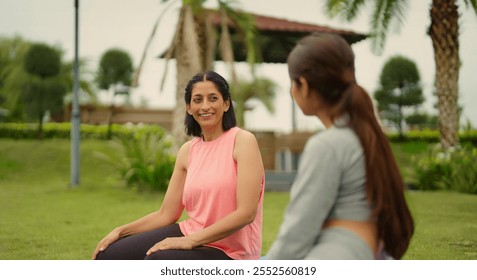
x: 327, y: 63
x: 228, y: 120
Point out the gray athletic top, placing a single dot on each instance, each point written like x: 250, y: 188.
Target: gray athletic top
x: 330, y: 184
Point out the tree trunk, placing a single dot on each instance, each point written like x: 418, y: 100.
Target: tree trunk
x: 40, y: 125
x: 109, y: 117
x: 444, y: 32
x: 188, y: 56
x: 226, y: 47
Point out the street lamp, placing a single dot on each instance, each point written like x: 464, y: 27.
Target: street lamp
x: 75, y: 114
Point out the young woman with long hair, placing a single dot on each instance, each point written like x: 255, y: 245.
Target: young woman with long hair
x: 347, y: 201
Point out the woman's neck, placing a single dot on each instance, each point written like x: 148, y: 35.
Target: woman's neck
x: 211, y: 134
x: 325, y: 119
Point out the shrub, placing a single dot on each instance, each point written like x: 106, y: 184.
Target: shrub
x: 145, y: 160
x: 452, y: 169
x: 464, y: 171
x: 432, y: 168
x: 431, y: 136
x: 426, y: 135
x: 468, y: 136
x: 144, y: 157
x: 63, y: 130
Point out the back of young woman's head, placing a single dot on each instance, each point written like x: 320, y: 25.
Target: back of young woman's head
x: 228, y: 119
x: 326, y: 62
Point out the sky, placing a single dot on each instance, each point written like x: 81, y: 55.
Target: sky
x: 126, y: 24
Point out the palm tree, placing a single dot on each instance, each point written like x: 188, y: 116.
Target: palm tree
x: 194, y: 48
x: 444, y: 33
x: 260, y: 89
x: 12, y: 74
x: 87, y: 90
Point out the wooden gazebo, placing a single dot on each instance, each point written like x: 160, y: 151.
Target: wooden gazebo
x: 276, y: 37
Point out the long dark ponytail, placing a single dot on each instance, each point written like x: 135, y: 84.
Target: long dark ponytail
x: 384, y: 185
x: 327, y: 63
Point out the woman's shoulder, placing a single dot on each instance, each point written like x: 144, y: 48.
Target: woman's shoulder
x: 246, y: 151
x: 335, y: 140
x: 243, y: 135
x: 187, y: 144
x: 245, y: 143
x: 184, y: 150
x: 336, y: 135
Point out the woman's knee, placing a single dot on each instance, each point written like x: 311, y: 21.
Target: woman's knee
x: 103, y: 255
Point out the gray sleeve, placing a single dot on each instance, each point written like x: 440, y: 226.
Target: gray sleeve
x: 312, y: 196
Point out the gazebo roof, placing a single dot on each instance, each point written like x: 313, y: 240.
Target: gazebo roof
x: 276, y: 37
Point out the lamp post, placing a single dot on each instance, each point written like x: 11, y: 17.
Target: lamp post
x: 75, y: 114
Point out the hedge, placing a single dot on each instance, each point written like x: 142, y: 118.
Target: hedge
x: 63, y: 130
x: 87, y: 131
x: 431, y: 136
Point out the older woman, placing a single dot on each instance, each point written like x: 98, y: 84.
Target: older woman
x: 218, y: 179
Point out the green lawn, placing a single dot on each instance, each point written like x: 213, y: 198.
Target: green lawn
x: 41, y: 217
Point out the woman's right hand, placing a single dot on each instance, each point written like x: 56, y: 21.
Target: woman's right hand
x: 106, y: 241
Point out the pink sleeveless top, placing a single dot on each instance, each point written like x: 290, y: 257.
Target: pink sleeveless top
x: 210, y: 194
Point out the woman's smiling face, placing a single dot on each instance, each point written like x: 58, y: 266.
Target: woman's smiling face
x: 207, y: 105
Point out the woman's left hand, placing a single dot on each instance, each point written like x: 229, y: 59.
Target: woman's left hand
x: 180, y: 243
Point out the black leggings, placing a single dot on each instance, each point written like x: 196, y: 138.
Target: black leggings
x: 134, y: 247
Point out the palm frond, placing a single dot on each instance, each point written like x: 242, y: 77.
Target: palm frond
x: 195, y: 5
x: 137, y: 73
x: 265, y: 89
x: 472, y: 3
x: 346, y: 9
x: 384, y: 14
x: 246, y: 27
x: 172, y: 47
x: 259, y: 88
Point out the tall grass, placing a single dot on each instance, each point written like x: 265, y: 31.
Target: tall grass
x: 42, y: 217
